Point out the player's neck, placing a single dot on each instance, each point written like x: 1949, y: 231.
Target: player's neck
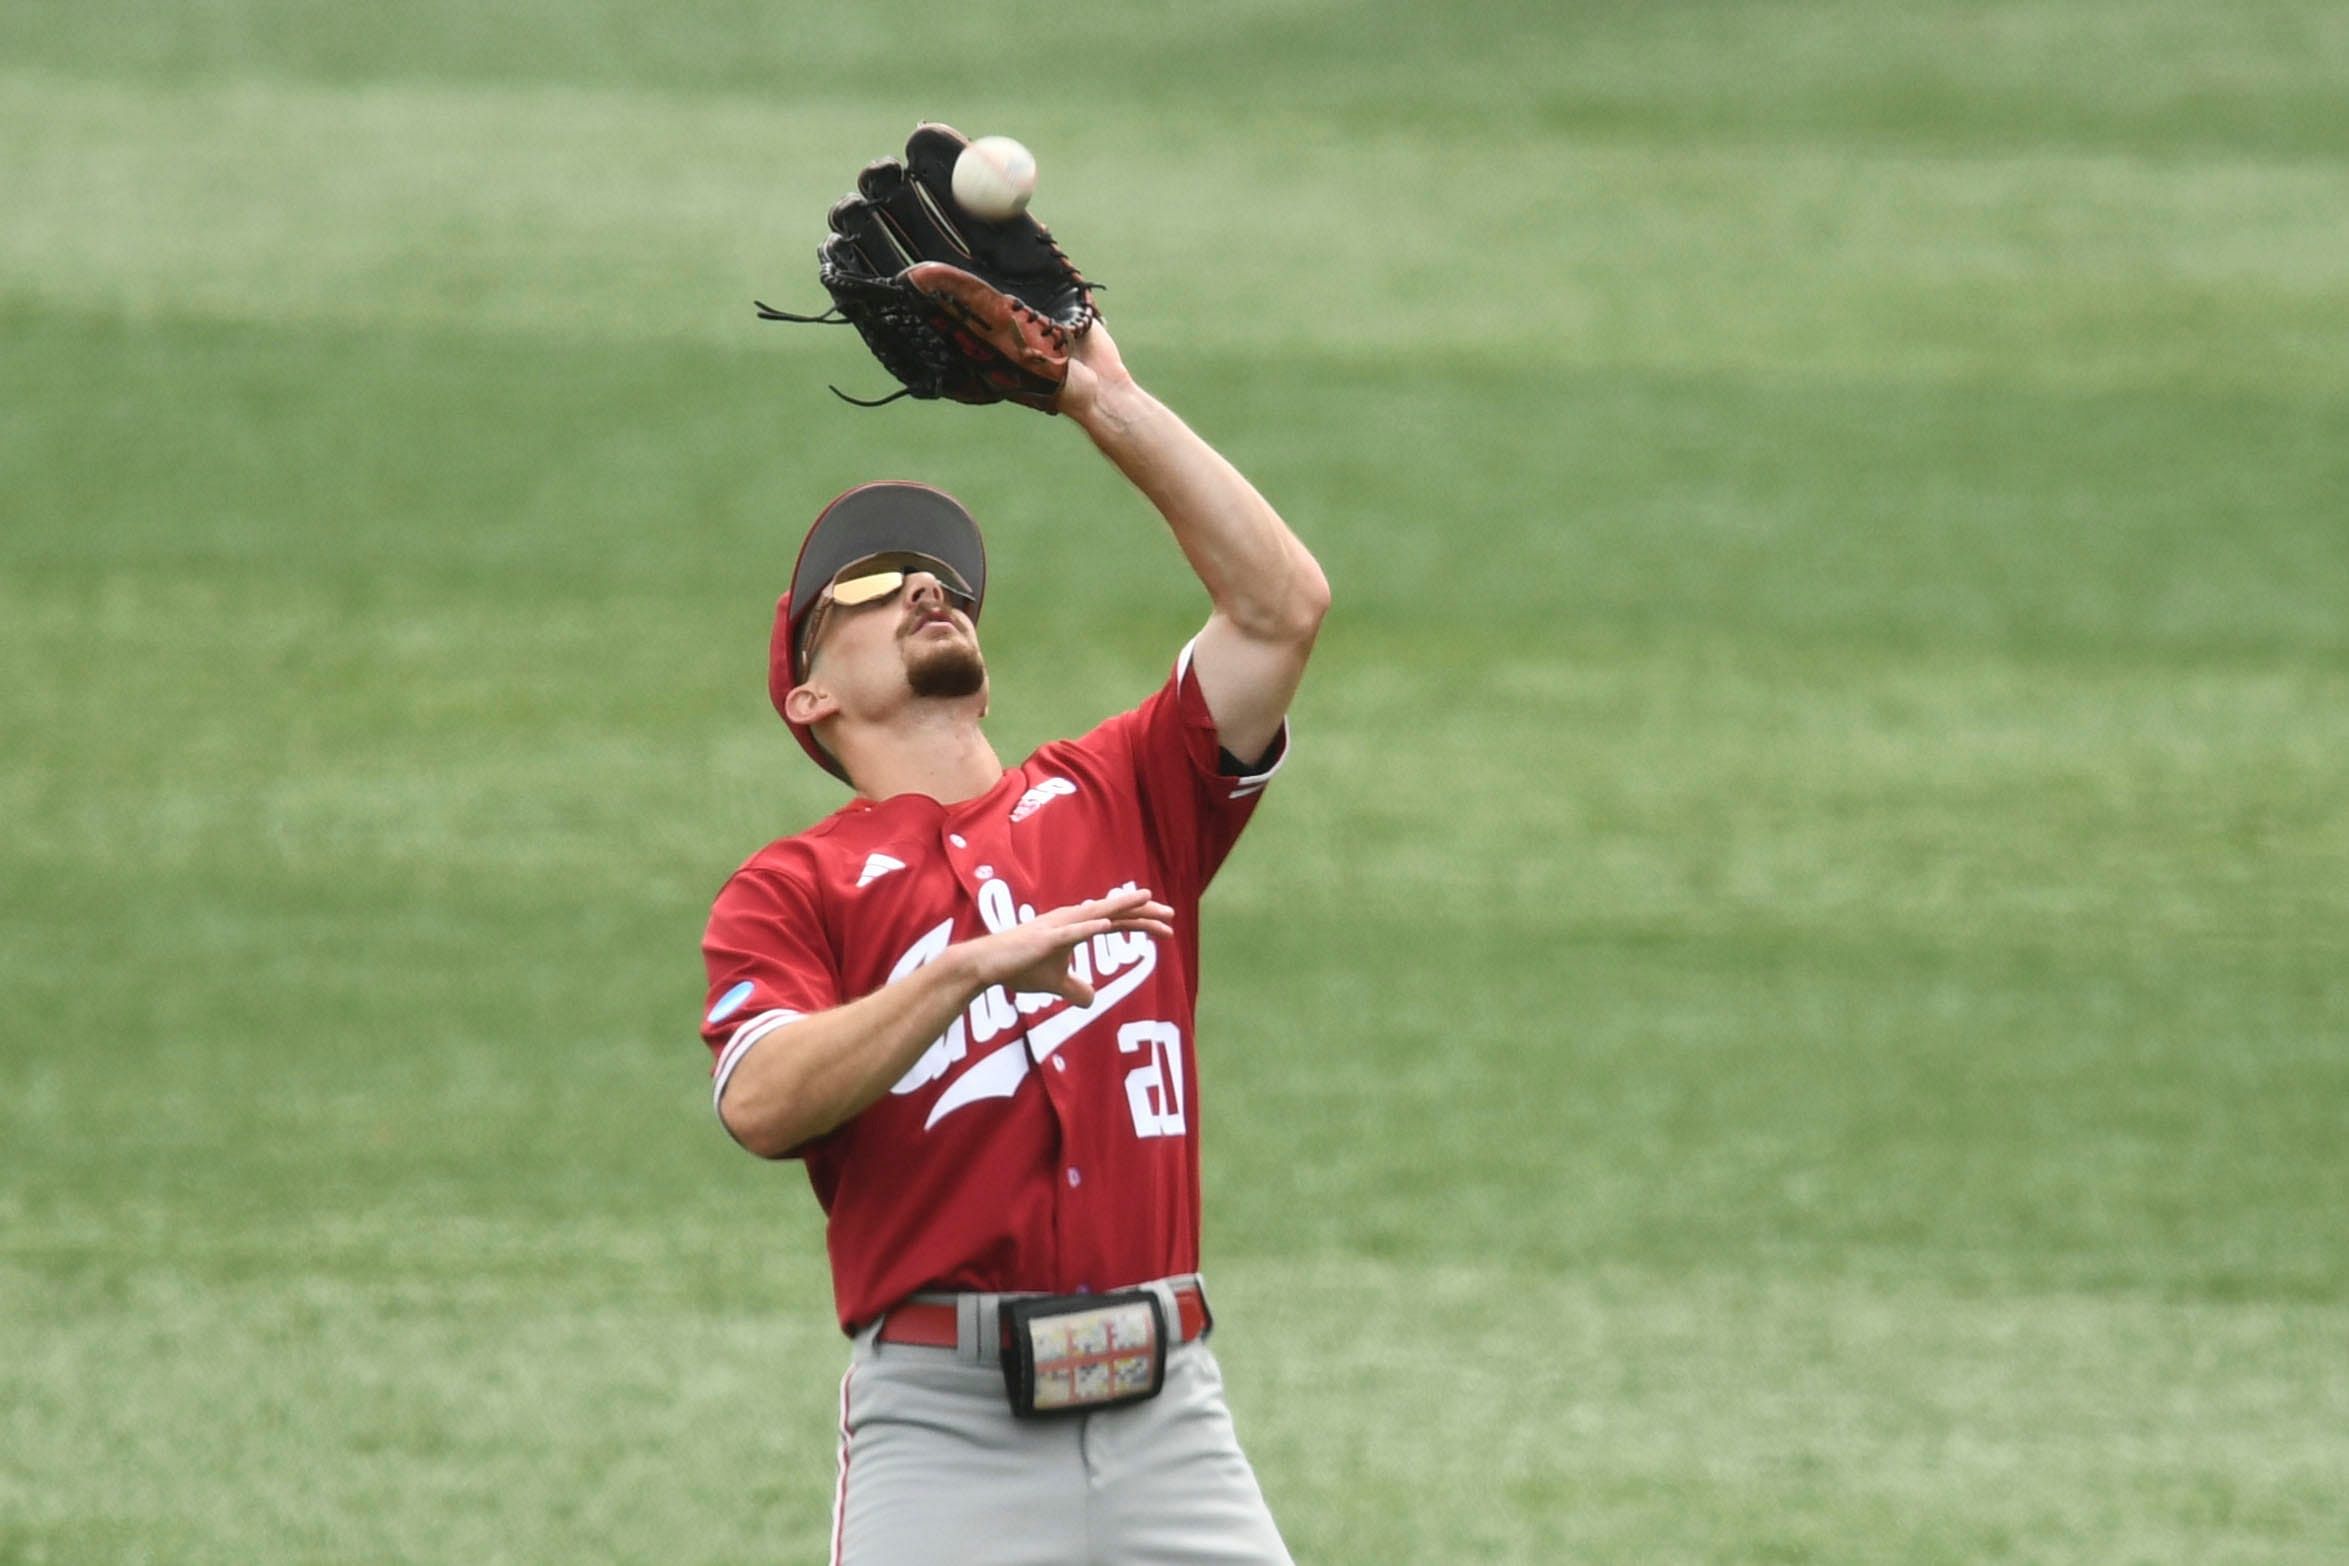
x: 929, y: 750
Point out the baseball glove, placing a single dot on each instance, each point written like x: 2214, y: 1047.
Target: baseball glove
x: 952, y: 305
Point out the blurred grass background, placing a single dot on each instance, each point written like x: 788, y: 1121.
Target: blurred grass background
x: 1791, y: 1004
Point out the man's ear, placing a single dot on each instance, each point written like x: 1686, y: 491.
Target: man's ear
x: 809, y: 704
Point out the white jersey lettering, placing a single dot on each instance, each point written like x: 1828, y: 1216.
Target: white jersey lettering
x: 993, y: 1012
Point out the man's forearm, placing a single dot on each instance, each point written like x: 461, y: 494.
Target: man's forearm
x: 813, y: 1074
x: 1260, y: 577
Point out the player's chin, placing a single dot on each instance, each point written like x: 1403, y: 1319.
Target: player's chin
x: 945, y: 668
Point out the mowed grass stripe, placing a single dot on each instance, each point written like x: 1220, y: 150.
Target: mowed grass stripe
x: 1680, y: 793
x: 1707, y: 1418
x: 437, y: 471
x: 2158, y: 77
x: 497, y: 1063
x: 587, y: 214
x: 1718, y: 1419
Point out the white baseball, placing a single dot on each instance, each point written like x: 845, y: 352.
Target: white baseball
x: 994, y: 178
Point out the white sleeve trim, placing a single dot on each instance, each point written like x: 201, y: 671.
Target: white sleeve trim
x: 1253, y: 783
x: 739, y: 1045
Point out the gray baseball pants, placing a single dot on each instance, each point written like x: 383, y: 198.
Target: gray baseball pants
x: 934, y: 1468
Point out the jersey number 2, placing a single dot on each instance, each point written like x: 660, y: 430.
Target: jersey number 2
x: 1155, y: 1092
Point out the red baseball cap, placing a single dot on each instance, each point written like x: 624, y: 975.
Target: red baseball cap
x: 890, y: 516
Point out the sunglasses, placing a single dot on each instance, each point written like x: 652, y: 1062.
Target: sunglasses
x: 861, y: 584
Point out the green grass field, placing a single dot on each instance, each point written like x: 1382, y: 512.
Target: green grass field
x: 1793, y: 1005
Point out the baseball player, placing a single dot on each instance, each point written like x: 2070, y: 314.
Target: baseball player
x: 965, y: 1002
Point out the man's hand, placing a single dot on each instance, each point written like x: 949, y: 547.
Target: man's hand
x: 1034, y: 957
x: 1094, y: 367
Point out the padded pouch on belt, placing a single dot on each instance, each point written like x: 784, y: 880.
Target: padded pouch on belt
x: 1074, y: 1353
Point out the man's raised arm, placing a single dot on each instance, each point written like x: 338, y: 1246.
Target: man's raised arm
x: 1268, y: 591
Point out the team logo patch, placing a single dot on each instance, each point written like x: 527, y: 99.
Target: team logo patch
x: 731, y: 1002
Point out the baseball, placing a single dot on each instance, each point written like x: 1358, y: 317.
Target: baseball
x: 994, y: 178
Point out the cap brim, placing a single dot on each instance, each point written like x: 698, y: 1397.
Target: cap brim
x: 887, y: 518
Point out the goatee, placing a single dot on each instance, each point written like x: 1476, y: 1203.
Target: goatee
x: 947, y: 671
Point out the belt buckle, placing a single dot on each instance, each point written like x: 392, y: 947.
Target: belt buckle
x: 1076, y: 1353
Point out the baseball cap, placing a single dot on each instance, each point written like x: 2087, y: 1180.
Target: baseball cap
x: 886, y: 517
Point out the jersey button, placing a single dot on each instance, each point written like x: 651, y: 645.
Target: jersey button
x: 956, y: 838
x: 1076, y: 1176
x: 1059, y: 1064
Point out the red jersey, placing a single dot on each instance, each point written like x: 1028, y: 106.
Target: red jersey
x: 1035, y: 1145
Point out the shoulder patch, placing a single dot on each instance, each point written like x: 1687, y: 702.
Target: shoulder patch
x: 731, y: 1002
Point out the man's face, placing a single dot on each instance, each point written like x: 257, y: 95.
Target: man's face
x: 916, y: 642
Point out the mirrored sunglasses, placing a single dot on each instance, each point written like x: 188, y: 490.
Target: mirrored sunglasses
x: 873, y: 586
x: 861, y: 584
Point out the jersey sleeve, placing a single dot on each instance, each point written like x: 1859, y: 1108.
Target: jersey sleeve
x: 1198, y: 796
x: 770, y: 963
